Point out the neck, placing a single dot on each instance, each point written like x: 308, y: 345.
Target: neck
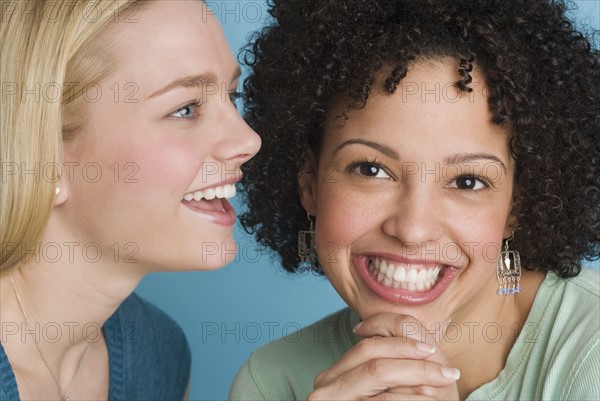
x: 66, y: 302
x: 478, y: 342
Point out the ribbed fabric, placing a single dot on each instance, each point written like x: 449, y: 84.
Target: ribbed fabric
x: 149, y: 357
x: 556, y: 355
x: 116, y: 388
x: 8, y: 383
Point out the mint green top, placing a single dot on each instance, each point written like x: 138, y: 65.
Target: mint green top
x: 556, y: 355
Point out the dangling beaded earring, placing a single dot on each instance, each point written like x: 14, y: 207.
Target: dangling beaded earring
x: 509, y: 271
x: 306, y: 247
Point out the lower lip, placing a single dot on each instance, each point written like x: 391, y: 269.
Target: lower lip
x: 399, y: 296
x: 226, y: 217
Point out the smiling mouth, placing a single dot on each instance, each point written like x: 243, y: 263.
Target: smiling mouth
x: 221, y: 192
x: 405, y: 276
x: 211, y: 204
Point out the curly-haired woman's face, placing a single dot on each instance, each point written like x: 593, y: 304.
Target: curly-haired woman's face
x: 163, y: 146
x: 412, y: 199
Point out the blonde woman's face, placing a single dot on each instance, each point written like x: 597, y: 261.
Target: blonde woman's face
x: 150, y: 175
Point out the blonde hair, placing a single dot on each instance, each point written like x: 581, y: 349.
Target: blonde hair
x: 48, y: 51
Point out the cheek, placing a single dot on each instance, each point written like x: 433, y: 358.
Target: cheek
x: 479, y: 232
x: 136, y: 149
x: 330, y: 227
x: 168, y: 165
x: 343, y: 216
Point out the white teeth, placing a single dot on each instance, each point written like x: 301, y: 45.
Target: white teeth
x: 383, y: 266
x: 412, y: 277
x: 390, y: 271
x: 224, y: 191
x: 229, y: 191
x: 400, y: 274
x: 210, y: 194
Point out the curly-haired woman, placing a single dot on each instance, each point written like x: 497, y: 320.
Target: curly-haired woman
x: 448, y: 157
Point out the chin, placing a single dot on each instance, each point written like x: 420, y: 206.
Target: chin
x: 426, y: 314
x: 217, y: 254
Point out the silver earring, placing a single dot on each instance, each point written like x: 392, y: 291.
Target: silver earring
x: 57, y: 191
x: 508, y: 272
x: 306, y: 247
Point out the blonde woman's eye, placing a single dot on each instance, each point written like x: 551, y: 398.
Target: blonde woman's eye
x: 469, y: 182
x: 187, y: 112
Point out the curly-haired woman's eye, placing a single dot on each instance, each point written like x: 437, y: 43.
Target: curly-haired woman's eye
x: 369, y: 170
x: 469, y: 182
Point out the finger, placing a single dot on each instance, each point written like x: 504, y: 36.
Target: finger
x: 376, y: 348
x: 387, y: 396
x: 396, y: 325
x: 378, y: 375
x: 436, y: 393
x: 392, y: 324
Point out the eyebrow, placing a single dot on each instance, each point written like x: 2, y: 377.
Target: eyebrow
x: 454, y: 159
x: 386, y: 150
x: 192, y: 81
x: 469, y: 157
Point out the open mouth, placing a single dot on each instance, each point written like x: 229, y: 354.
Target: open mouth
x: 405, y: 282
x: 212, y: 203
x: 411, y: 277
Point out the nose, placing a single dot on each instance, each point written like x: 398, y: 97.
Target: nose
x: 417, y: 218
x: 239, y: 142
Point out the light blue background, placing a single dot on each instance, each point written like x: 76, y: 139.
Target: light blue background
x: 229, y: 312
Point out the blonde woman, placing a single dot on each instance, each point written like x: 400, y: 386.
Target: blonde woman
x: 120, y: 145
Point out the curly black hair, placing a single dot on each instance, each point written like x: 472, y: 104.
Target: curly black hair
x: 543, y: 80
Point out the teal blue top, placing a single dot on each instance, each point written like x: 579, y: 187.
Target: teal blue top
x: 149, y: 357
x: 556, y: 355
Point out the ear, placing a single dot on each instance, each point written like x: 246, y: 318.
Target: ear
x: 511, y: 221
x: 307, y: 184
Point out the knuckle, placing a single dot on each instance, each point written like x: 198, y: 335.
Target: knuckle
x: 402, y: 322
x: 315, y: 395
x: 320, y: 379
x: 365, y: 346
x: 375, y: 368
x: 427, y: 369
x: 423, y: 369
x: 383, y: 397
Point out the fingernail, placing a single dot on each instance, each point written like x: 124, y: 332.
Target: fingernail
x: 424, y: 347
x: 358, y: 326
x: 451, y: 373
